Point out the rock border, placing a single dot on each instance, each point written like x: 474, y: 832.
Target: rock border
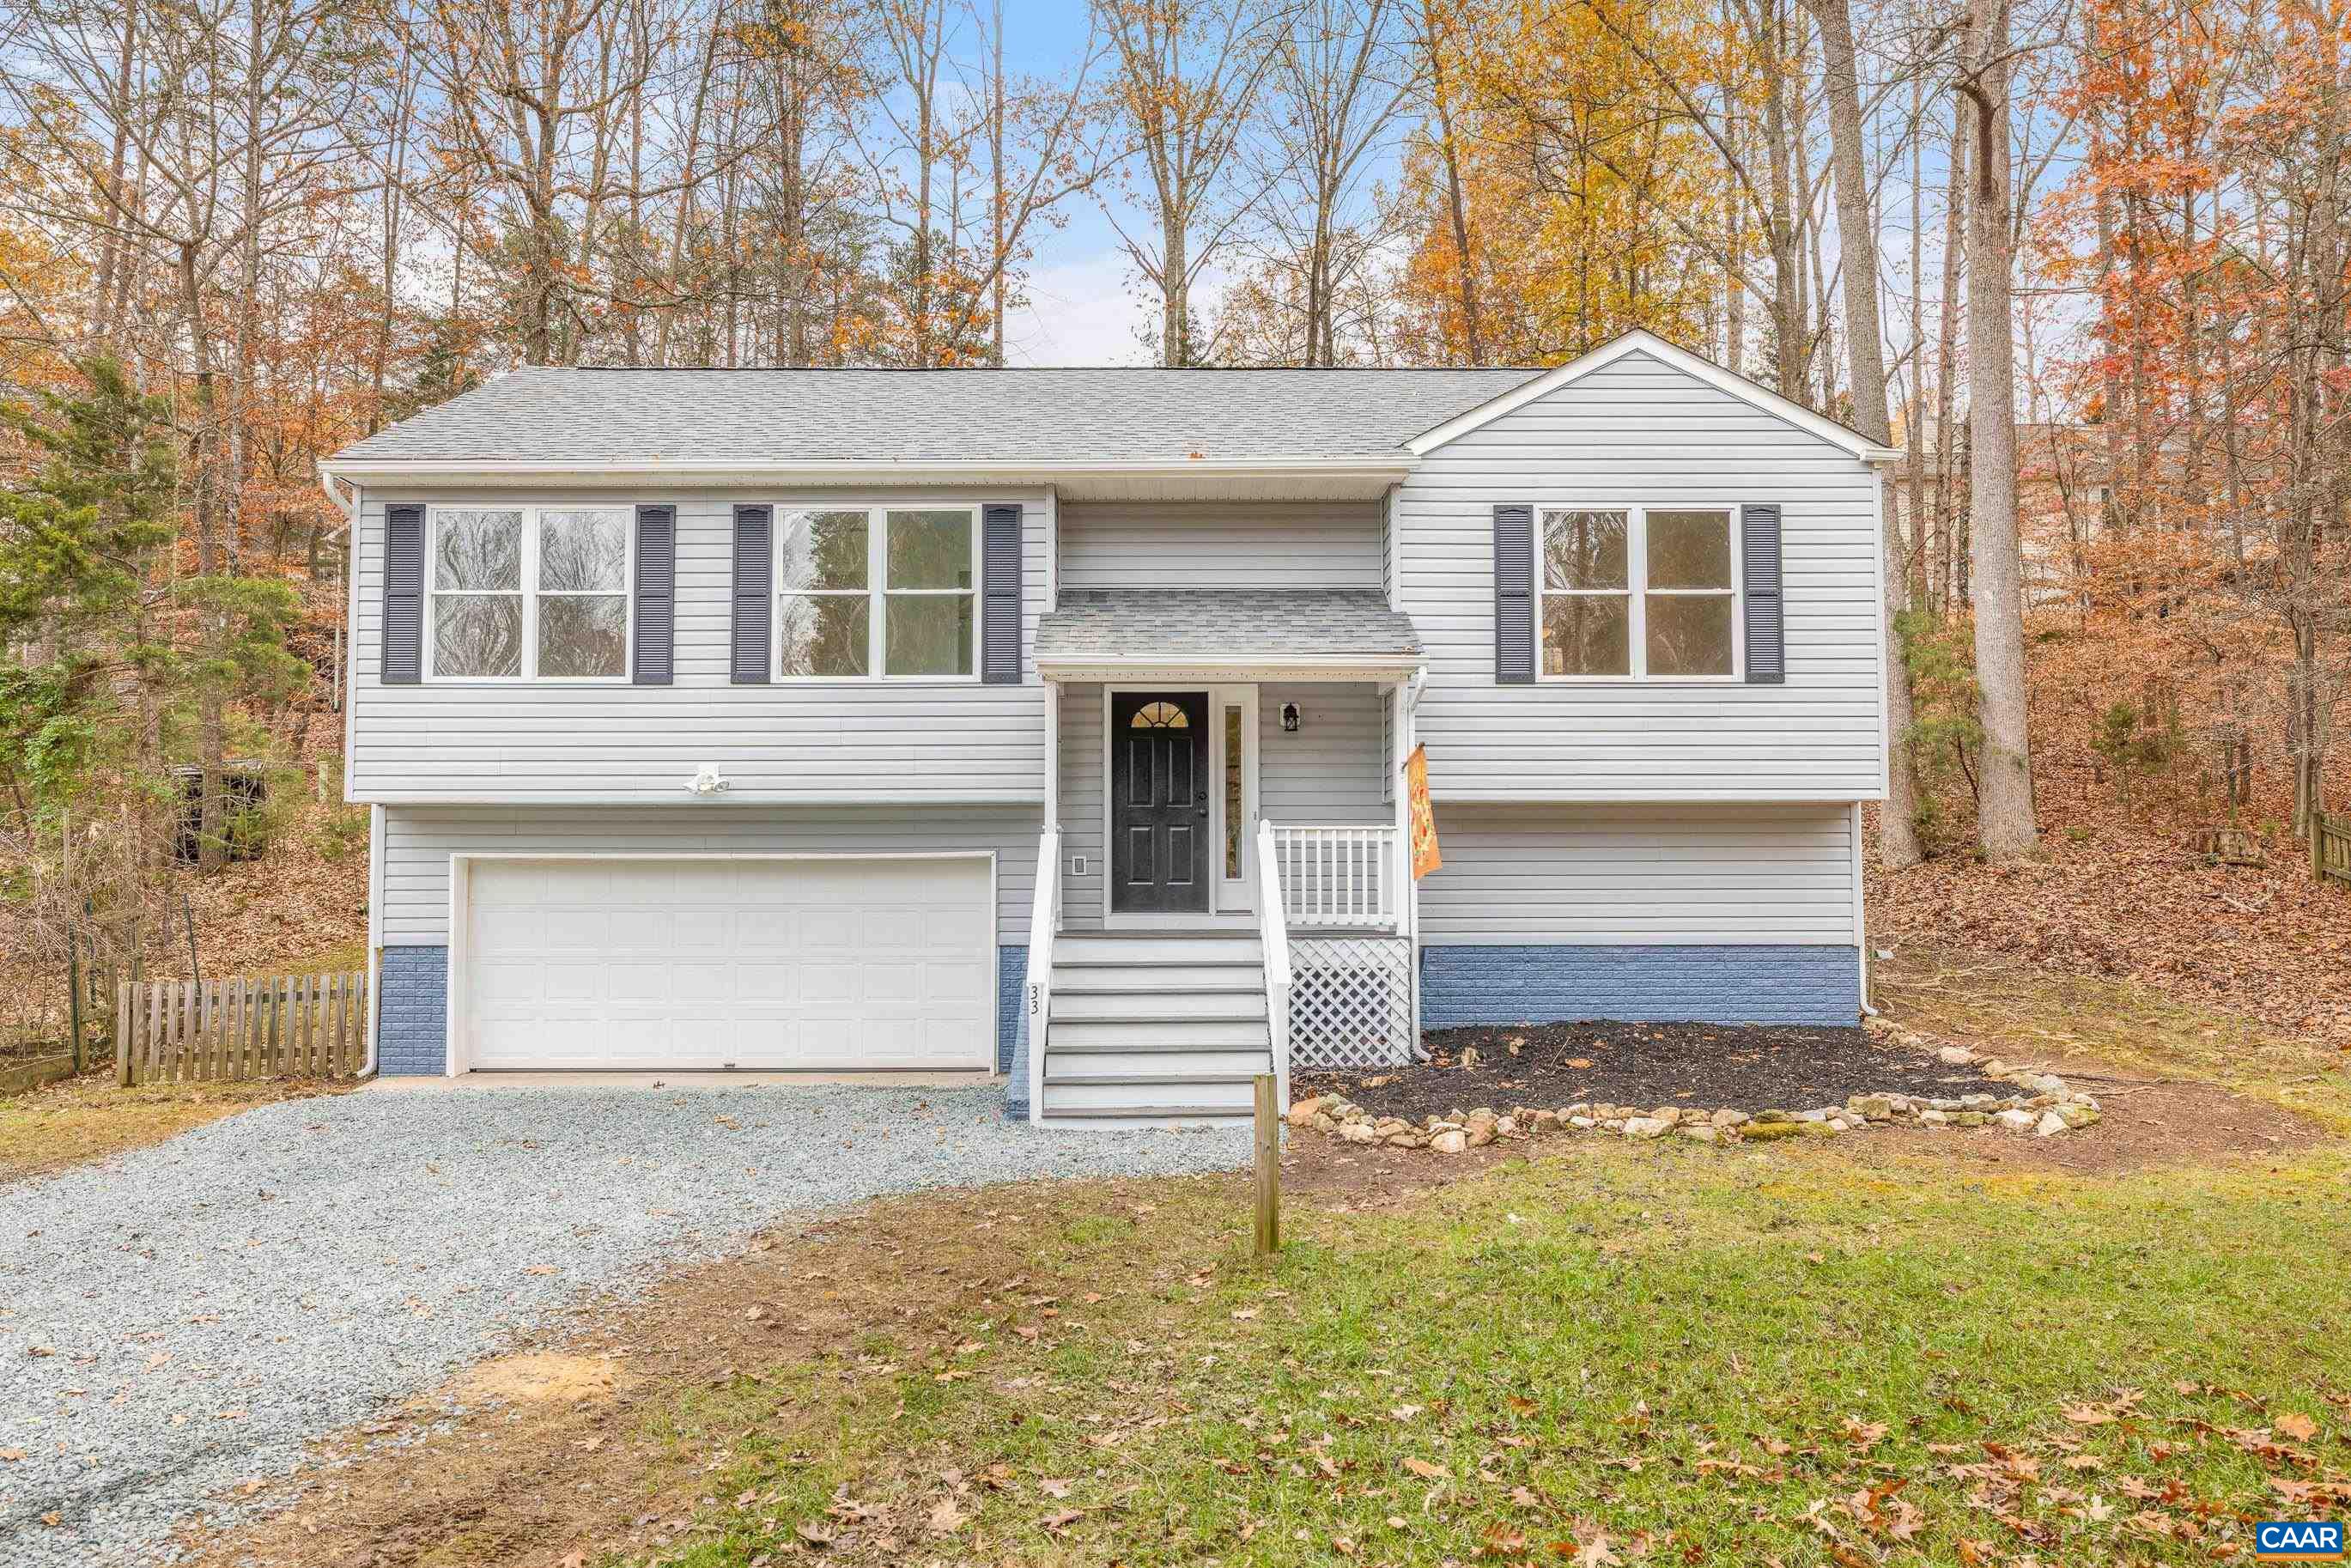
x: 2046, y: 1108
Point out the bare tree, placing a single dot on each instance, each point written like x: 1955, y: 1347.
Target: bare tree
x: 1341, y: 72
x: 2005, y: 822
x: 965, y: 167
x: 1865, y: 356
x: 1188, y: 75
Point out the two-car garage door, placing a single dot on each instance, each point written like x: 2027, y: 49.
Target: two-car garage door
x: 756, y: 964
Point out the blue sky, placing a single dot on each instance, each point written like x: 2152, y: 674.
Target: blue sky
x: 1081, y: 310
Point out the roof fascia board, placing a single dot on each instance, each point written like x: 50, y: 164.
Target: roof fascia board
x: 492, y: 472
x: 1365, y: 667
x: 1639, y: 341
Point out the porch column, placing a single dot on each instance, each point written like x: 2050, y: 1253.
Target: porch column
x: 1052, y: 752
x: 1399, y: 750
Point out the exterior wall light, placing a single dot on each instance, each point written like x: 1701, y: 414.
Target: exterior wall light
x: 1289, y: 718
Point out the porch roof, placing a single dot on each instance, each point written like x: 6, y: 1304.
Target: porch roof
x: 1317, y: 629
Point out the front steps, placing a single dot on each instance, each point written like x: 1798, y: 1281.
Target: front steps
x: 1148, y: 1028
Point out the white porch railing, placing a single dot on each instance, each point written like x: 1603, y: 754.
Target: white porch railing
x: 1044, y: 920
x: 1334, y: 876
x: 1274, y: 929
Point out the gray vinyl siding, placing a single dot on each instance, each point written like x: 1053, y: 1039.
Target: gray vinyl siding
x: 1192, y: 544
x: 1639, y: 431
x: 1631, y: 875
x: 781, y: 744
x: 1329, y: 773
x: 1081, y: 807
x: 418, y: 842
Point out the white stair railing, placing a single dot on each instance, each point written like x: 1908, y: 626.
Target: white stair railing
x: 1044, y: 919
x: 1273, y: 925
x: 1335, y: 875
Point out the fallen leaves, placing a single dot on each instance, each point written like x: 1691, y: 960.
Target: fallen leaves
x: 1426, y: 1470
x: 1864, y: 1435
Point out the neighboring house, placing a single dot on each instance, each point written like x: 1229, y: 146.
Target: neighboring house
x: 1017, y: 698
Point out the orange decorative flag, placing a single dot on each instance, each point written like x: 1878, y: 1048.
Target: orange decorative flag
x: 1425, y: 857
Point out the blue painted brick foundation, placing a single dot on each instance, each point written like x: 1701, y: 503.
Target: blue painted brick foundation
x: 1729, y: 985
x: 1011, y: 974
x: 412, y: 1035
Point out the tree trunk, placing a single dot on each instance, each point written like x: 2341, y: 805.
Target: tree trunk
x: 1450, y: 148
x: 2005, y: 825
x: 1946, y: 359
x: 1897, y: 834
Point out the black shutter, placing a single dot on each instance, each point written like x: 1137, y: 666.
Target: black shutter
x: 1767, y: 632
x: 403, y: 596
x: 656, y: 607
x: 1514, y: 595
x: 755, y: 597
x: 999, y: 609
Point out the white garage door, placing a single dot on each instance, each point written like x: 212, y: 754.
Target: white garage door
x: 760, y: 965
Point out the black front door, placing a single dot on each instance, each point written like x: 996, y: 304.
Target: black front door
x: 1159, y: 802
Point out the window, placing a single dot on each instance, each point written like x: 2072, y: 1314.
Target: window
x: 1159, y: 715
x: 886, y: 589
x: 1639, y: 592
x: 522, y: 594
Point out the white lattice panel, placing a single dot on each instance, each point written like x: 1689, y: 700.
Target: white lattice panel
x: 1350, y: 1002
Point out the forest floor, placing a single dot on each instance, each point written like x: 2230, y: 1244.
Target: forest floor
x: 1966, y: 1346
x: 2118, y: 895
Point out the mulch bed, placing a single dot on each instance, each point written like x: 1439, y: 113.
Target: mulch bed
x: 1702, y: 1066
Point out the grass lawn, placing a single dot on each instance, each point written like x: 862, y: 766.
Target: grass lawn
x: 1617, y: 1351
x: 1878, y: 1350
x: 87, y: 1118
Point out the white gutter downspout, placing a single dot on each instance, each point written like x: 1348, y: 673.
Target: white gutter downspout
x: 375, y: 943
x: 1860, y: 917
x: 1407, y: 738
x: 376, y: 812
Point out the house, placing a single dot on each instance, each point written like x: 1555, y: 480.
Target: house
x: 1054, y: 722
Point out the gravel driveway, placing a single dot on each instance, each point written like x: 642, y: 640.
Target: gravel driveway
x: 185, y: 1318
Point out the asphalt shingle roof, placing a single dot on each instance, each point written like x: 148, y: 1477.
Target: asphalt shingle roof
x: 588, y: 416
x: 1224, y: 623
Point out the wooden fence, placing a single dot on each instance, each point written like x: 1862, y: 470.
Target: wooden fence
x: 290, y: 1026
x: 2330, y: 847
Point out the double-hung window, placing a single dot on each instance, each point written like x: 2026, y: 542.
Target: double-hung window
x: 530, y: 593
x: 1639, y: 592
x: 877, y: 591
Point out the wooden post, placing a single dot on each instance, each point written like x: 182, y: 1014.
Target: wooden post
x: 1269, y: 1168
x: 122, y: 1021
x: 73, y: 993
x: 2317, y: 843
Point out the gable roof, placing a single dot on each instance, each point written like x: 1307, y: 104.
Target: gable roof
x: 685, y: 418
x: 1640, y: 341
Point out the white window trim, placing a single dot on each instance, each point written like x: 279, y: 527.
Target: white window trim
x: 530, y: 593
x: 1637, y: 589
x: 876, y: 592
